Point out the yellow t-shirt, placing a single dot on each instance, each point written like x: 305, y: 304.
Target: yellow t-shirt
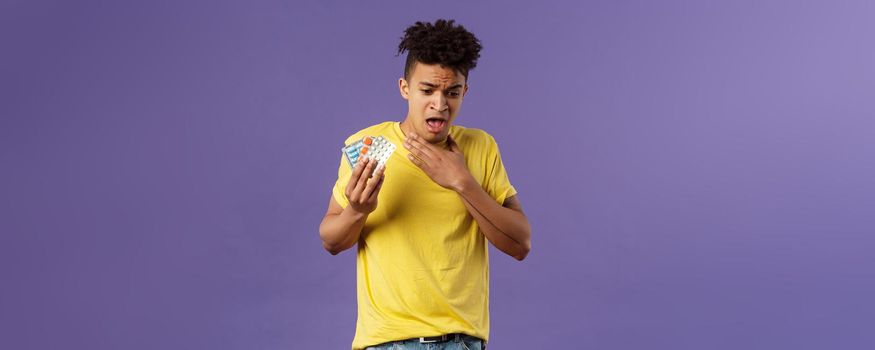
x: 422, y: 264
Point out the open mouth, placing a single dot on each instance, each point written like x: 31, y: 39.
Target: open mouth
x: 435, y: 125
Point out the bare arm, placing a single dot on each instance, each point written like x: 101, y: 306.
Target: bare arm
x: 506, y: 227
x: 341, y: 227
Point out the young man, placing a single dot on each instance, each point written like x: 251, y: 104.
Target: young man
x: 422, y: 221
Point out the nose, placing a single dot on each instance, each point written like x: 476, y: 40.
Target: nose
x: 440, y: 102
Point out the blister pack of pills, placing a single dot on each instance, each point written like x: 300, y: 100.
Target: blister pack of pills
x: 378, y: 148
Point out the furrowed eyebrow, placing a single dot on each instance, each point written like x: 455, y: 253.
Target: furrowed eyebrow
x: 435, y: 86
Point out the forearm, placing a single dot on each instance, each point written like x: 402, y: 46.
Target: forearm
x: 507, y: 229
x: 341, y: 231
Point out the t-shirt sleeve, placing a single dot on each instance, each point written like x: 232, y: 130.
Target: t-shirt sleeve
x: 339, y: 191
x: 497, y: 182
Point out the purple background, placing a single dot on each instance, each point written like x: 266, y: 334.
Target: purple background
x: 698, y: 174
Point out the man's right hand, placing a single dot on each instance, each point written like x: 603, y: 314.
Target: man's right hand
x: 362, y: 189
x: 341, y: 227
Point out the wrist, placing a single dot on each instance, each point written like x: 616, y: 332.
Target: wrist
x: 355, y: 214
x: 465, y: 184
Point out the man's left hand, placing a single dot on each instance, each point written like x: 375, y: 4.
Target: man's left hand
x: 446, y: 167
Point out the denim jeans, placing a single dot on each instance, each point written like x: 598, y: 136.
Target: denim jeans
x: 466, y: 342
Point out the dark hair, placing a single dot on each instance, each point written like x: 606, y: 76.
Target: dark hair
x: 440, y: 43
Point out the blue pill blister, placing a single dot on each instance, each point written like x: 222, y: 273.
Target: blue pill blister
x: 378, y: 148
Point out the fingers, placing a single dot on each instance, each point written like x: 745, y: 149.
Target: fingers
x: 356, y: 173
x: 380, y: 180
x: 374, y: 182
x: 419, y: 149
x: 415, y: 160
x: 362, y: 180
x: 376, y: 192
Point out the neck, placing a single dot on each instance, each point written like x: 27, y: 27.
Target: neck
x: 405, y: 127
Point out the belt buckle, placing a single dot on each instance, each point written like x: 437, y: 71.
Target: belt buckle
x: 422, y: 340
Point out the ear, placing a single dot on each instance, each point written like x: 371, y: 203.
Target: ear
x: 404, y: 88
x: 465, y: 91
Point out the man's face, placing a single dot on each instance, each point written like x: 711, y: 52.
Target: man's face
x: 434, y: 95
